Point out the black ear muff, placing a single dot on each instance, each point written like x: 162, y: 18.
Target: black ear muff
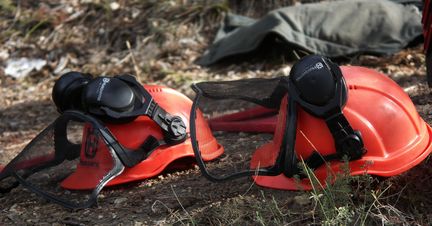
x: 67, y: 90
x: 318, y: 86
x: 314, y: 80
x: 105, y: 95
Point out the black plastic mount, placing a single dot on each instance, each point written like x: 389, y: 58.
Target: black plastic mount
x: 348, y: 142
x: 173, y: 126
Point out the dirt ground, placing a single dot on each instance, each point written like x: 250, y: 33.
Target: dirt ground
x: 92, y: 36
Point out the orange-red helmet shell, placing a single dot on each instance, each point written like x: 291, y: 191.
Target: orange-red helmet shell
x: 395, y: 136
x: 132, y: 134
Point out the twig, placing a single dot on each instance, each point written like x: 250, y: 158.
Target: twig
x: 17, y: 15
x: 136, y: 67
x: 376, y: 200
x: 296, y: 55
x: 34, y: 28
x: 45, y: 81
x: 181, y: 205
x: 253, y: 180
x: 119, y: 63
x: 163, y: 204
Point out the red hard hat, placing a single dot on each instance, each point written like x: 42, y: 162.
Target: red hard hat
x: 395, y: 136
x: 132, y: 134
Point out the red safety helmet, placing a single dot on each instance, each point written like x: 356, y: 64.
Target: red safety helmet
x: 389, y: 135
x: 132, y: 134
x: 111, y: 130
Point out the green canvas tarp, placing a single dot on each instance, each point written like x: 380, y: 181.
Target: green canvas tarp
x: 332, y: 29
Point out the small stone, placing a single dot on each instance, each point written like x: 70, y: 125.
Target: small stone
x: 120, y: 200
x: 302, y: 200
x: 284, y: 71
x: 114, y: 6
x: 138, y: 223
x: 15, y: 209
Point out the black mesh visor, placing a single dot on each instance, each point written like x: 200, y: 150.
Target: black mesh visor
x: 69, y: 162
x: 240, y: 99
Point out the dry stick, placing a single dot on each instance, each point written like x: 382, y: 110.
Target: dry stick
x: 136, y: 68
x: 34, y: 28
x: 129, y: 55
x: 376, y: 199
x: 163, y: 204
x: 147, y: 39
x: 253, y: 181
x: 121, y: 62
x: 181, y: 205
x: 296, y: 55
x: 16, y: 17
x: 171, y: 212
x: 43, y: 82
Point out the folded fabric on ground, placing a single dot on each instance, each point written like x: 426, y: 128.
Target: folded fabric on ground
x: 332, y: 29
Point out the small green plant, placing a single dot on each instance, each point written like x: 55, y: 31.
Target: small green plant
x: 261, y: 209
x: 349, y: 200
x: 189, y: 219
x: 37, y: 26
x: 333, y: 198
x: 270, y: 211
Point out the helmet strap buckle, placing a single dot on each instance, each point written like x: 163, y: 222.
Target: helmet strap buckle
x: 172, y: 126
x: 348, y: 142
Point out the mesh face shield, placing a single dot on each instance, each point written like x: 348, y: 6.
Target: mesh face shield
x: 75, y: 149
x: 248, y: 98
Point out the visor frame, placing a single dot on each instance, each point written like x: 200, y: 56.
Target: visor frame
x: 107, y: 137
x: 274, y: 170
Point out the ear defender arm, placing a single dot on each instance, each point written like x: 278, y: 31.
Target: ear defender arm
x: 173, y: 127
x: 317, y: 85
x: 122, y: 98
x: 116, y: 99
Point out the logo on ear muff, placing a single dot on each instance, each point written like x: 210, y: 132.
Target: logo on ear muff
x: 105, y: 81
x: 317, y: 66
x: 91, y: 145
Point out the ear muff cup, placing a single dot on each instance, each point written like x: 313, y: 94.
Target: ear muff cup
x: 314, y: 80
x: 67, y: 90
x: 103, y: 93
